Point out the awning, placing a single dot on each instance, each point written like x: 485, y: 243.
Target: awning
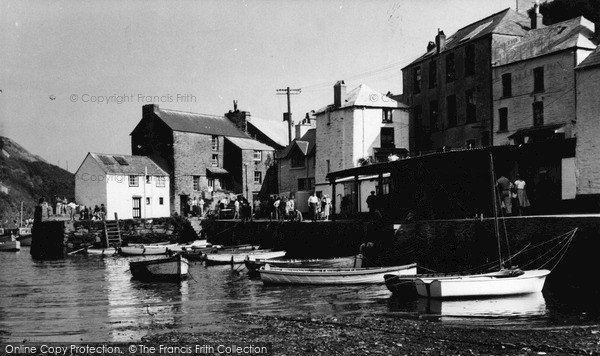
x: 530, y: 131
x: 216, y: 170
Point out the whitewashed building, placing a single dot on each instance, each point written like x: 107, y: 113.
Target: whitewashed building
x: 362, y: 124
x: 131, y: 186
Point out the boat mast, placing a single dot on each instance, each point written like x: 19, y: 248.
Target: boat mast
x: 21, y: 216
x: 495, y: 202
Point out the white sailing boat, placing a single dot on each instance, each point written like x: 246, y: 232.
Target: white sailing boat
x: 504, y: 282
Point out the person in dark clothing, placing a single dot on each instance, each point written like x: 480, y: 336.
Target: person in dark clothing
x: 37, y: 213
x: 372, y: 202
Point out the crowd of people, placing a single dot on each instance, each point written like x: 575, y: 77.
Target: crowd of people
x: 61, y: 207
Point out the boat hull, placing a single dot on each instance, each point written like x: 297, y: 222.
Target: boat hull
x: 10, y: 246
x: 102, y: 251
x: 333, y: 276
x: 489, y: 285
x: 170, y: 269
x: 225, y: 257
x: 145, y: 250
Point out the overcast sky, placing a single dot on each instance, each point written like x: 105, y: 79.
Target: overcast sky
x: 57, y: 58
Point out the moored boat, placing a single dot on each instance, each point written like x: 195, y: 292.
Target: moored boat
x: 171, y: 269
x: 10, y: 245
x: 500, y: 283
x: 102, y: 251
x: 198, y: 244
x: 144, y: 250
x: 25, y: 236
x: 254, y: 264
x: 369, y: 275
x: 227, y: 256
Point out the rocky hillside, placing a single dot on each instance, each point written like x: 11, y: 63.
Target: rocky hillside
x: 28, y: 177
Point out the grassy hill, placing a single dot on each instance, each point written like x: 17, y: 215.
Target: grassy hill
x: 28, y: 177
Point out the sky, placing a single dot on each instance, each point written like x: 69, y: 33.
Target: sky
x: 75, y: 74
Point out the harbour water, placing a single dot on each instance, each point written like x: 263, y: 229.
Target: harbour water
x: 94, y: 299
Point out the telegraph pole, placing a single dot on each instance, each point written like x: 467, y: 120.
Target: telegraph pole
x: 288, y: 116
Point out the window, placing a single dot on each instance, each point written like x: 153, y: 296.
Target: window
x: 297, y: 159
x: 469, y: 60
x: 451, y: 110
x: 418, y: 115
x: 148, y: 179
x: 471, y: 105
x: 538, y: 79
x: 432, y: 74
x: 417, y: 80
x: 257, y: 177
x: 161, y: 181
x: 328, y: 165
x: 211, y: 183
x: 387, y: 137
x: 506, y: 85
x: 502, y: 119
x: 306, y: 183
x: 147, y: 200
x: 215, y: 143
x: 538, y: 113
x: 215, y: 160
x: 134, y: 181
x: 386, y: 116
x: 433, y: 115
x: 258, y: 156
x: 161, y: 201
x: 450, y: 68
x: 196, y: 180
x: 137, y: 207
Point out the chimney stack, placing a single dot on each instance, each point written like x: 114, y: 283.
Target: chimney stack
x: 149, y: 109
x: 536, y: 17
x: 339, y: 92
x: 440, y: 40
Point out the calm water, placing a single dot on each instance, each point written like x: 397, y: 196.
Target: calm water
x: 94, y: 299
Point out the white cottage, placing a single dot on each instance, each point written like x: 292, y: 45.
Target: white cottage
x: 131, y: 186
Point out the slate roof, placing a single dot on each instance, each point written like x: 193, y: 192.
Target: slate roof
x: 573, y: 33
x: 276, y: 130
x: 591, y: 61
x: 505, y: 22
x: 198, y: 123
x: 135, y: 165
x: 367, y: 97
x: 306, y: 144
x: 249, y: 144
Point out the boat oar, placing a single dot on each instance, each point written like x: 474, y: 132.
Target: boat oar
x: 74, y: 252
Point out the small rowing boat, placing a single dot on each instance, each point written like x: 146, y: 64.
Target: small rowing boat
x: 370, y: 275
x: 254, y: 264
x: 144, y: 250
x: 10, y: 245
x: 171, y: 269
x: 227, y: 256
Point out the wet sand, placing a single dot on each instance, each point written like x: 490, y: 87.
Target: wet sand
x: 386, y: 334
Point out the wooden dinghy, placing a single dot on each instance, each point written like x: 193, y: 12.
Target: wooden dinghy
x: 238, y: 256
x: 144, y: 250
x: 171, y: 269
x: 500, y: 283
x: 10, y: 245
x: 370, y: 275
x: 254, y: 264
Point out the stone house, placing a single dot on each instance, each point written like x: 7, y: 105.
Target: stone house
x: 361, y: 125
x: 191, y: 148
x: 587, y: 75
x: 449, y: 88
x: 131, y: 186
x: 297, y: 168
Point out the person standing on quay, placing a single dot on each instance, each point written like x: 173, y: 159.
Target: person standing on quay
x: 371, y: 202
x: 313, y: 201
x: 236, y: 207
x: 522, y: 195
x: 504, y: 190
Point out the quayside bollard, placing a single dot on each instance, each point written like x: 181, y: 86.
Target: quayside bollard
x: 47, y: 242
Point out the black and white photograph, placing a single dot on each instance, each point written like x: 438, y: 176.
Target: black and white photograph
x: 319, y: 177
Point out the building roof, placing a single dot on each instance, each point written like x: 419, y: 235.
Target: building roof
x: 592, y: 60
x: 274, y: 129
x: 505, y: 22
x: 306, y: 144
x: 249, y: 144
x: 198, y: 123
x: 574, y: 33
x: 127, y: 165
x: 361, y: 96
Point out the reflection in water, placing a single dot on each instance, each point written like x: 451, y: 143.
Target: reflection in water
x: 520, y: 306
x: 94, y: 299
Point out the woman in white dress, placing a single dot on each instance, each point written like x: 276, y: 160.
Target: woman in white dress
x: 521, y: 195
